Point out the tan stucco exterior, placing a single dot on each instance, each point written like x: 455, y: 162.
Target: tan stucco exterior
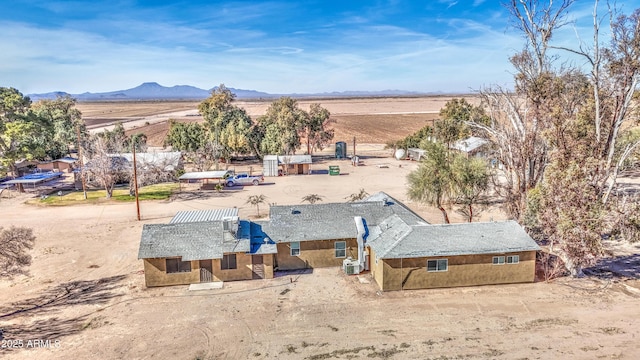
x: 155, y: 271
x: 55, y: 165
x: 155, y: 274
x: 314, y: 254
x: 296, y: 169
x: 465, y: 270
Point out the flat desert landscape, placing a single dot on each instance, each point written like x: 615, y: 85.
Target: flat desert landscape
x: 85, y: 291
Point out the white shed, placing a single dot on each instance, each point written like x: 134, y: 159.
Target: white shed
x: 270, y: 165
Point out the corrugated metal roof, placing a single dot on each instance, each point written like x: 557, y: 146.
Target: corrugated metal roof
x: 204, y: 215
x: 202, y: 175
x: 469, y: 144
x: 289, y: 159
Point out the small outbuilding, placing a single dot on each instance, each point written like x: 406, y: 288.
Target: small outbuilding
x: 415, y: 153
x: 65, y: 164
x: 276, y: 165
x: 472, y: 146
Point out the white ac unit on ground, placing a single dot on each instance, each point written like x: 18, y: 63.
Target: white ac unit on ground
x: 350, y: 266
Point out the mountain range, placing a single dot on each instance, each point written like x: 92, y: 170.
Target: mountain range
x: 155, y: 91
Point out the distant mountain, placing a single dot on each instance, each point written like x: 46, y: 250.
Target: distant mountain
x: 151, y: 91
x: 155, y: 91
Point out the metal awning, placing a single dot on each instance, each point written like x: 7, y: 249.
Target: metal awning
x: 204, y: 175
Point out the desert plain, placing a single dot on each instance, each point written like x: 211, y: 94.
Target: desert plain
x: 85, y: 298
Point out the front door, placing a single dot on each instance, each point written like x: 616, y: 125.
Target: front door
x: 257, y: 266
x: 205, y: 271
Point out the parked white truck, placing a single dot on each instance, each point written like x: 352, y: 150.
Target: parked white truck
x: 244, y: 179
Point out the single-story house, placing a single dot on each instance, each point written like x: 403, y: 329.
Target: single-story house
x: 165, y: 160
x: 188, y: 251
x: 276, y: 165
x: 379, y: 234
x: 63, y: 164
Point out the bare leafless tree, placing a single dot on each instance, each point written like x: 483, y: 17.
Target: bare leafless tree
x: 15, y: 242
x: 106, y: 167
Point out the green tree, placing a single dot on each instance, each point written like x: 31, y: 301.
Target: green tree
x: 63, y: 124
x: 432, y: 182
x: 229, y: 128
x: 256, y: 200
x: 316, y: 128
x: 454, y: 118
x: 194, y: 141
x: 412, y: 141
x: 282, y: 123
x: 470, y: 182
x: 20, y: 129
x: 185, y: 136
x: 236, y: 137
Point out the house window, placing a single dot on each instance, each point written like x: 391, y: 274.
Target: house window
x: 177, y: 266
x: 498, y: 260
x: 437, y: 265
x: 228, y: 262
x: 295, y: 248
x: 341, y: 249
x: 513, y: 259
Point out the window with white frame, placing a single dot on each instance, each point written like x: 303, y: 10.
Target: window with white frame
x: 498, y: 260
x: 437, y: 265
x: 295, y: 248
x: 513, y: 259
x: 341, y: 249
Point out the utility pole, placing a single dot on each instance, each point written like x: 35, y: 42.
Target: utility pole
x: 135, y: 179
x: 84, y: 186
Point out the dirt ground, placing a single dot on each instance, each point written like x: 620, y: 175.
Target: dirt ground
x: 370, y: 120
x: 85, y: 292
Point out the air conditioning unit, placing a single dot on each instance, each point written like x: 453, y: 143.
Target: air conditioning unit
x: 350, y: 266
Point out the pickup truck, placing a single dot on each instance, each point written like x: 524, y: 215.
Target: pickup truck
x: 244, y: 179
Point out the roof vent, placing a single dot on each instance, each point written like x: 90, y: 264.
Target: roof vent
x: 385, y: 202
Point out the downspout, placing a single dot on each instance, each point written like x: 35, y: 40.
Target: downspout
x: 361, y: 234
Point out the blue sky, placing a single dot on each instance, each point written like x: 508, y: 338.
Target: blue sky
x: 271, y: 46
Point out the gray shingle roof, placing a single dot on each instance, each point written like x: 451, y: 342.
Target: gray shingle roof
x: 291, y: 223
x: 191, y: 241
x: 202, y: 240
x: 450, y: 239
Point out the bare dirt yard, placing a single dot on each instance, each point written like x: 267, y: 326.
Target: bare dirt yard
x: 84, y: 296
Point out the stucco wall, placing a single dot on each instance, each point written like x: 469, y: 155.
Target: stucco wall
x: 242, y: 271
x: 314, y: 254
x: 376, y: 269
x: 155, y: 271
x: 467, y: 270
x: 268, y: 266
x: 155, y: 274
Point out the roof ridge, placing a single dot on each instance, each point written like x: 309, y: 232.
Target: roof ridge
x: 399, y: 239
